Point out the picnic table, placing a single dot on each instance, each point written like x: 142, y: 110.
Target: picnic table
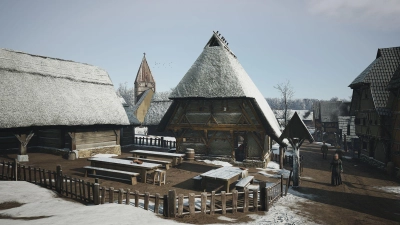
x: 124, y: 165
x: 226, y: 175
x: 176, y: 157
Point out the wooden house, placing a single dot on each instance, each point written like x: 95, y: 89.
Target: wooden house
x: 216, y: 105
x: 371, y: 107
x: 394, y: 101
x: 50, y: 103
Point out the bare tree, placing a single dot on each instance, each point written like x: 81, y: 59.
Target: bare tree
x: 127, y: 93
x: 284, y: 112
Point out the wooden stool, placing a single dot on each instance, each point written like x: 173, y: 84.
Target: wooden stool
x: 159, y: 176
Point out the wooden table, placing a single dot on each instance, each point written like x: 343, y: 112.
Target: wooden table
x: 226, y: 175
x: 176, y: 157
x: 124, y: 165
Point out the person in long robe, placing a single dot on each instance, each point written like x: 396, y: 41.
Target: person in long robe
x: 324, y: 150
x: 337, y: 170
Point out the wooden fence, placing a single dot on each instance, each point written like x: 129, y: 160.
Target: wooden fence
x: 170, y: 205
x: 159, y: 142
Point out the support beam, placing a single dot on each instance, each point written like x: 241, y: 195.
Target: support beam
x: 73, y: 140
x: 24, y: 140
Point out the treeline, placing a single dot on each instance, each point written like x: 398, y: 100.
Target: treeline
x: 297, y: 104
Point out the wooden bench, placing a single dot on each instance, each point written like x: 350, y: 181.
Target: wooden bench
x: 133, y: 175
x: 244, y: 182
x: 166, y: 164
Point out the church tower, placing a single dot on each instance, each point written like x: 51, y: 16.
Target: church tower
x: 144, y: 79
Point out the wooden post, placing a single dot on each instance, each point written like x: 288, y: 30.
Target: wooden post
x: 192, y: 208
x: 281, y: 185
x: 157, y: 203
x: 234, y: 201
x: 128, y: 197
x: 103, y: 195
x: 50, y: 180
x: 70, y: 185
x: 8, y: 171
x: 171, y: 203
x: 203, y: 202
x: 111, y: 195
x: 223, y: 202
x: 162, y: 141
x: 136, y: 198
x: 263, y: 191
x: 24, y: 172
x: 266, y: 199
x: 180, y: 204
x: 290, y: 177
x: 44, y: 178
x: 287, y: 185
x: 66, y: 186
x: 80, y: 189
x: 30, y: 173
x: 88, y: 190
x: 58, y: 169
x: 212, y: 203
x: 96, y: 193
x: 255, y: 200
x: 73, y: 140
x: 4, y: 168
x: 281, y: 157
x: 120, y: 193
x: 165, y: 206
x: 146, y: 200
x: 40, y: 177
x: 246, y: 200
x: 16, y: 169
x: 34, y: 175
x: 117, y: 136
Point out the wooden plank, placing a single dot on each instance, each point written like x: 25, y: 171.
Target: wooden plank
x: 128, y: 197
x: 192, y: 208
x: 246, y: 200
x: 157, y: 203
x: 263, y: 191
x: 120, y: 193
x: 171, y: 203
x: 88, y: 190
x: 180, y: 204
x: 203, y: 202
x: 146, y: 200
x: 234, y: 201
x: 223, y: 202
x: 103, y: 195
x: 136, y: 198
x: 111, y: 195
x: 93, y: 134
x: 212, y: 203
x: 95, y: 140
x: 118, y: 136
x: 94, y: 145
x: 255, y: 200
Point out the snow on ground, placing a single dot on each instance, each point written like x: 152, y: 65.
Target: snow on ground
x: 105, y: 155
x: 390, y: 189
x: 320, y: 143
x: 346, y: 157
x: 141, y: 130
x: 41, y: 202
x: 273, y: 170
x: 215, y: 162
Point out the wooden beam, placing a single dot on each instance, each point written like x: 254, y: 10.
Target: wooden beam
x: 73, y: 140
x: 24, y: 140
x: 233, y: 146
x: 117, y: 136
x: 220, y: 127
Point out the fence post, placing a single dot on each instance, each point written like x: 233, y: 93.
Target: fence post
x: 263, y: 189
x: 16, y: 169
x: 191, y: 204
x: 203, y: 202
x: 171, y: 203
x: 246, y: 200
x: 266, y: 199
x: 180, y: 204
x: 255, y: 200
x: 162, y: 142
x: 157, y: 203
x: 111, y: 195
x: 281, y: 185
x: 212, y: 203
x: 287, y: 186
x: 128, y: 197
x: 146, y: 200
x: 165, y: 206
x: 58, y: 169
x: 121, y: 191
x: 96, y: 192
x: 103, y: 195
x: 223, y: 202
x: 234, y: 201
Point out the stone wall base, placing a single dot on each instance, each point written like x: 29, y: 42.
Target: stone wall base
x: 87, y: 153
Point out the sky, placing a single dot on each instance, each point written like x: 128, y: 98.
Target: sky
x: 319, y: 46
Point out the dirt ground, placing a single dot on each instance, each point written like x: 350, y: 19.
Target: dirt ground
x: 354, y: 202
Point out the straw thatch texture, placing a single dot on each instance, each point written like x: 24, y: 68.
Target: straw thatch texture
x: 42, y: 91
x: 158, y: 107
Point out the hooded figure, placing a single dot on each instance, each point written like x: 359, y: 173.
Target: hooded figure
x: 337, y: 170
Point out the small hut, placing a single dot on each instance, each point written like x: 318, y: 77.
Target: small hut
x: 216, y: 106
x: 50, y: 103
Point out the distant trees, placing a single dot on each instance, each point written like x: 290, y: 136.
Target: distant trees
x: 127, y: 93
x: 284, y: 104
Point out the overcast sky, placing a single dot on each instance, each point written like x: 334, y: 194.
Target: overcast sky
x: 320, y: 46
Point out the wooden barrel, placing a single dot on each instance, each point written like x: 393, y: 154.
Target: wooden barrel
x: 190, y: 154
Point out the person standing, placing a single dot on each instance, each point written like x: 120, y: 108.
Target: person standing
x: 324, y: 150
x: 337, y: 170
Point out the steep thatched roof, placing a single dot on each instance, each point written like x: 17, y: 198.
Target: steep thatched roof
x: 296, y: 129
x: 42, y: 91
x: 158, y: 106
x: 218, y: 74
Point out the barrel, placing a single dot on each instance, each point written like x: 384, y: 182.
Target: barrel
x: 190, y: 154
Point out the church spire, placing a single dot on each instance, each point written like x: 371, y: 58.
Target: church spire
x: 144, y: 79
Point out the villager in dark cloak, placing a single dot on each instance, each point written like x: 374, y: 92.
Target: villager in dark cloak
x: 336, y: 169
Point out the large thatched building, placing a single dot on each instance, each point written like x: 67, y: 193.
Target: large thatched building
x: 216, y: 105
x: 52, y: 103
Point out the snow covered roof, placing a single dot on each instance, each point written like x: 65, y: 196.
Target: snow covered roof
x: 303, y: 114
x: 43, y: 91
x: 218, y: 74
x: 158, y: 107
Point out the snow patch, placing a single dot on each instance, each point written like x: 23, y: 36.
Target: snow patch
x: 215, y: 162
x: 105, y: 155
x: 320, y: 143
x: 224, y: 218
x: 390, y: 189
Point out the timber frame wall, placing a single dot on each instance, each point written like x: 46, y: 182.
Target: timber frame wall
x: 395, y: 144
x: 213, y: 126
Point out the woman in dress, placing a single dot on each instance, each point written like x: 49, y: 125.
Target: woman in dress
x: 336, y: 169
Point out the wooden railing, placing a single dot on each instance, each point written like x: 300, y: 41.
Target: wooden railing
x: 158, y: 142
x: 170, y: 205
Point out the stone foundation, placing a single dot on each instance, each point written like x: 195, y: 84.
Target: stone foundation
x: 87, y: 153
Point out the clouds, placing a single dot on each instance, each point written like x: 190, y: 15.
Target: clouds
x: 382, y: 14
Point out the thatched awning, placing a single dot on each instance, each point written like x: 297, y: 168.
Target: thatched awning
x: 42, y: 91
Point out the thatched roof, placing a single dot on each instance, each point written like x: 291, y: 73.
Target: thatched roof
x: 218, y: 74
x: 296, y: 129
x: 42, y: 91
x: 158, y: 106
